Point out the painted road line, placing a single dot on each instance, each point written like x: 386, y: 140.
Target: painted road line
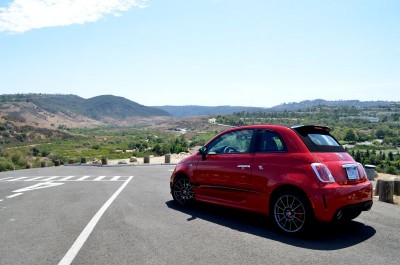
x: 17, y: 179
x: 50, y: 178
x: 66, y: 178
x: 76, y: 247
x: 39, y: 186
x: 32, y: 179
x: 99, y: 178
x: 83, y: 178
x: 115, y: 178
x: 6, y: 178
x: 14, y: 195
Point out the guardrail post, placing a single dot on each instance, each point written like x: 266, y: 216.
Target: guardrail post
x: 167, y: 158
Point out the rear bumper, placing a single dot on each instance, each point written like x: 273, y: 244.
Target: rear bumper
x: 334, y: 200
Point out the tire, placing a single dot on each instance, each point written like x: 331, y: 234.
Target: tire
x: 291, y: 212
x: 182, y: 191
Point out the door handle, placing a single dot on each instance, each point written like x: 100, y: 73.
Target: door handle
x: 243, y: 166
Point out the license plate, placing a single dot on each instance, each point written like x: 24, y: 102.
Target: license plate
x: 352, y: 173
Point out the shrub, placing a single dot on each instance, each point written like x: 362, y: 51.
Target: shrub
x: 6, y: 165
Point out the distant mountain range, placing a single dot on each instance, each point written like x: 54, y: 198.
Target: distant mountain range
x: 53, y: 110
x: 193, y: 111
x: 49, y: 110
x: 95, y: 108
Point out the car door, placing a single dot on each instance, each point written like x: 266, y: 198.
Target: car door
x: 225, y: 172
x: 270, y: 160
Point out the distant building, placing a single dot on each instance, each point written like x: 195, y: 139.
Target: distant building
x: 212, y: 120
x: 366, y: 118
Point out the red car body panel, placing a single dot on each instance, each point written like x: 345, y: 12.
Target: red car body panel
x: 248, y: 180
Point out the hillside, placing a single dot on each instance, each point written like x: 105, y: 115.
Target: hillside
x: 194, y: 110
x: 35, y: 117
x: 103, y: 109
x: 97, y: 107
x: 331, y: 103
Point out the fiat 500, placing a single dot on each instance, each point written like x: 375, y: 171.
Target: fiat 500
x: 296, y: 175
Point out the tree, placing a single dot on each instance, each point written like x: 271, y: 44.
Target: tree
x: 350, y: 136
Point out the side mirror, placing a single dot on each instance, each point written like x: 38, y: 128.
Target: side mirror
x: 203, y: 152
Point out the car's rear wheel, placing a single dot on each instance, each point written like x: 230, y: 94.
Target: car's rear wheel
x: 291, y: 211
x: 182, y: 191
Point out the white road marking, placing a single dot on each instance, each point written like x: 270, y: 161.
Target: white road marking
x: 99, y: 178
x: 115, y: 178
x: 50, y: 178
x: 83, y: 178
x: 36, y: 178
x: 39, y: 186
x: 17, y: 179
x: 14, y: 195
x: 76, y: 247
x: 67, y: 178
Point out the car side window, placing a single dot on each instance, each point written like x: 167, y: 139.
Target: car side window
x: 232, y: 143
x: 269, y: 141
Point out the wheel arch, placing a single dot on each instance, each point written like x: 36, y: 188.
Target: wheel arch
x: 177, y: 176
x: 287, y: 187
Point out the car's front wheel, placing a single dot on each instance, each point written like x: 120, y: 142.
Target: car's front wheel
x: 182, y: 191
x: 291, y: 211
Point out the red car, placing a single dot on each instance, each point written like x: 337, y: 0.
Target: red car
x: 296, y: 175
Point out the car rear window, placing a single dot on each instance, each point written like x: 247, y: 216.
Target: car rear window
x: 318, y: 139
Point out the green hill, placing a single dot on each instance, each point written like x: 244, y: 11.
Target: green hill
x: 96, y: 108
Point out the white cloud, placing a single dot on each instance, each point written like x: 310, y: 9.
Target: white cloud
x: 24, y: 15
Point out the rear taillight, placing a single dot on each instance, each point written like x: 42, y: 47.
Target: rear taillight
x: 364, y: 176
x: 322, y: 172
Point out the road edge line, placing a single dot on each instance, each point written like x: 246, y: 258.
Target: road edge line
x: 76, y: 247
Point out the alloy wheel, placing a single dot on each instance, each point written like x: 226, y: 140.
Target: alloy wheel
x: 183, y: 191
x: 290, y: 213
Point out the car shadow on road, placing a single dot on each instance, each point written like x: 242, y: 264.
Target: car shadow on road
x: 320, y: 237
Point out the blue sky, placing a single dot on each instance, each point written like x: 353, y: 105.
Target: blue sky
x: 202, y: 52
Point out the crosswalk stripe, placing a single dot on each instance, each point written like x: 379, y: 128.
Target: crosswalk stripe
x: 66, y: 178
x: 32, y: 179
x: 83, y: 178
x: 50, y: 178
x: 17, y: 179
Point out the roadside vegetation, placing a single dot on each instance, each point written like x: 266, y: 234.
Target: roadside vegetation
x: 370, y: 134
x: 93, y: 144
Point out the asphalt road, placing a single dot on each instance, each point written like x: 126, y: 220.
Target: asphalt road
x: 125, y: 215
